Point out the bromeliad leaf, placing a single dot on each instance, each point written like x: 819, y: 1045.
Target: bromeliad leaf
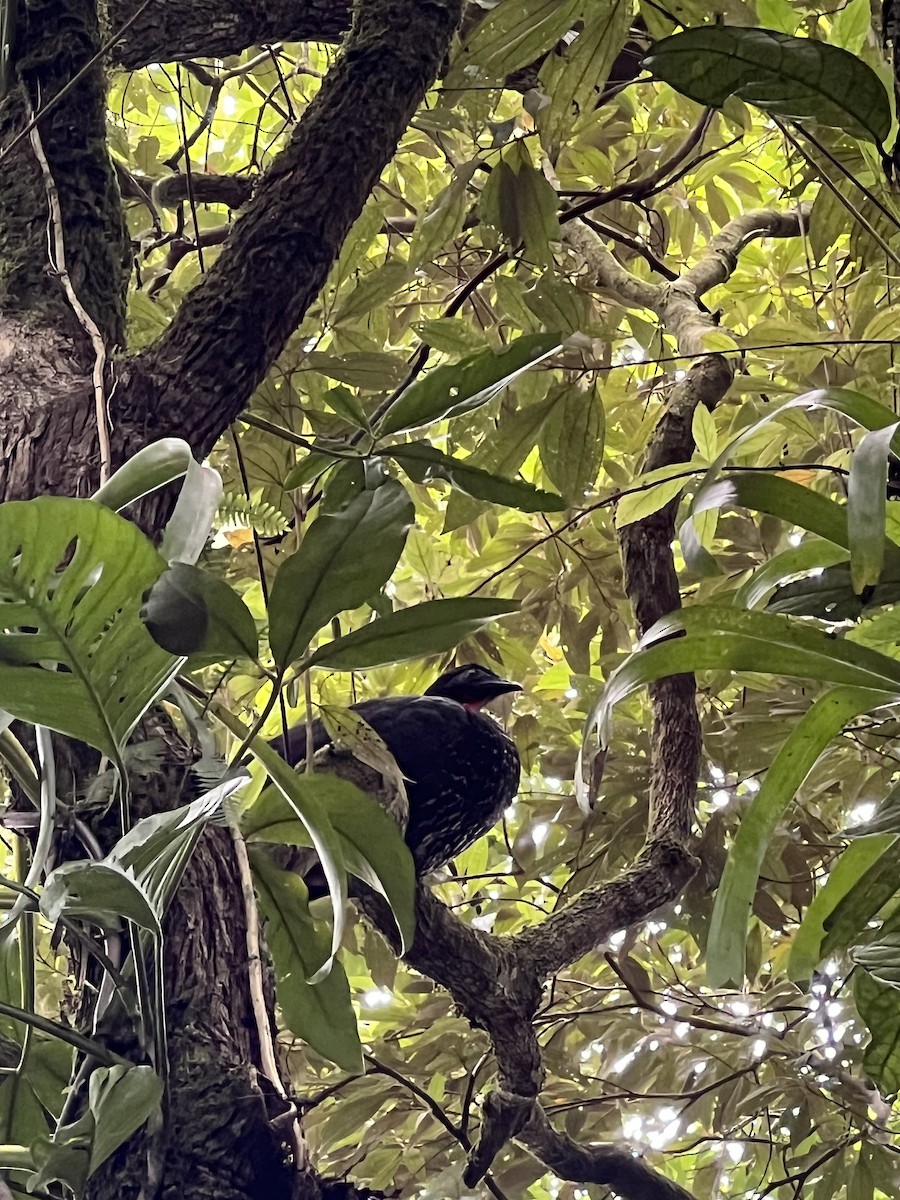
x: 187, y: 611
x: 424, y: 462
x: 450, y: 391
x: 321, y: 1013
x: 792, y: 77
x: 415, y: 632
x: 74, y: 655
x: 151, y: 468
x: 344, y: 558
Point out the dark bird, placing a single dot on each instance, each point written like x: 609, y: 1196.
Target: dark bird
x: 461, y: 768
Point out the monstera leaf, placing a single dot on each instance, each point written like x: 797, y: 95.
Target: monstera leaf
x: 74, y: 655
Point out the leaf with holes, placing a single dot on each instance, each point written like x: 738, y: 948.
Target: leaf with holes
x: 74, y: 655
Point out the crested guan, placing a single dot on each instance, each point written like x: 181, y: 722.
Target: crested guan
x: 461, y: 769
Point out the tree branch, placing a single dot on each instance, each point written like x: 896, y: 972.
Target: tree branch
x: 235, y: 322
x: 171, y: 29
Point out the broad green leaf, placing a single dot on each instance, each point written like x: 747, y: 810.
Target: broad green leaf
x: 500, y: 453
x: 423, y: 463
x: 74, y: 655
x: 876, y: 1003
x: 449, y: 335
x: 187, y: 611
x: 120, y: 1100
x: 344, y: 558
x: 414, y: 632
x: 779, y: 497
x: 877, y: 884
x: 100, y: 892
x: 343, y: 402
x: 866, y: 501
x: 371, y: 843
x: 518, y: 206
x: 443, y: 220
x: 652, y: 491
x: 372, y: 290
x: 371, y: 370
x: 731, y: 913
x: 792, y: 77
x: 450, y: 391
x: 808, y: 947
x: 157, y: 848
x: 573, y: 80
x: 558, y: 304
x: 151, y: 468
x: 321, y: 1013
x: 572, y: 440
x: 854, y: 405
x: 513, y: 34
x: 303, y: 798
x: 306, y: 470
x: 704, y: 432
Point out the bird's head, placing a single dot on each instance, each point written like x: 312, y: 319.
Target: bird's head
x: 471, y: 685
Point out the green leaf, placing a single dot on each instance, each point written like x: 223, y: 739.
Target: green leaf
x: 347, y: 406
x: 574, y: 81
x: 877, y: 1005
x: 121, y: 1099
x: 187, y: 611
x: 649, y: 496
x: 572, y: 440
x: 866, y: 501
x: 344, y: 558
x: 450, y: 335
x: 372, y: 290
x: 187, y: 529
x: 808, y: 947
x: 812, y: 554
x: 370, y: 840
x: 450, y: 391
x: 442, y: 221
x: 872, y: 890
x: 304, y: 800
x: 731, y: 913
x: 792, y: 77
x: 512, y: 35
x: 153, y: 467
x: 779, y: 497
x: 729, y: 639
x: 424, y: 463
x: 414, y: 632
x: 306, y: 470
x: 321, y: 1013
x: 519, y: 205
x: 100, y: 892
x: 371, y: 370
x: 156, y: 849
x: 74, y: 655
x: 704, y: 432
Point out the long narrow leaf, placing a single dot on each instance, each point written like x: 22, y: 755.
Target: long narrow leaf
x: 866, y: 501
x: 312, y: 813
x: 728, y: 929
x: 812, y: 554
x: 852, y: 868
x: 413, y: 632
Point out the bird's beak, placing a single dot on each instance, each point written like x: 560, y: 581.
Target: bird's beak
x: 492, y: 688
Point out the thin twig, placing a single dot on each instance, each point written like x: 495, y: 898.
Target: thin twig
x: 57, y: 255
